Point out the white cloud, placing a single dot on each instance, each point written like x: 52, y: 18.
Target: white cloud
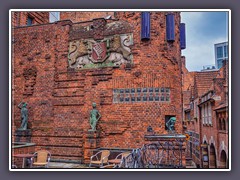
x: 200, y: 50
x: 201, y: 54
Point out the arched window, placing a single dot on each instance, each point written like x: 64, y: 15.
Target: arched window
x: 223, y: 159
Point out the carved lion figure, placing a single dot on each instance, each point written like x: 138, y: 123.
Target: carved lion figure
x: 76, y: 50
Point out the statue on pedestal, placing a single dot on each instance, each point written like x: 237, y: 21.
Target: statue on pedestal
x: 94, y: 117
x: 170, y: 124
x: 24, y: 115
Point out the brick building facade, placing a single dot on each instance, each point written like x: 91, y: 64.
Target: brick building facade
x: 61, y: 68
x: 206, y: 118
x: 29, y: 18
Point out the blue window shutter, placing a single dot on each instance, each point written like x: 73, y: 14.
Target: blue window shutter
x: 145, y: 28
x: 182, y: 36
x: 170, y: 27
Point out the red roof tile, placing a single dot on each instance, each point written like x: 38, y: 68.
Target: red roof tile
x: 203, y: 81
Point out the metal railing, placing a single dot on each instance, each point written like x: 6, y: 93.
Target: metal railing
x: 163, y: 154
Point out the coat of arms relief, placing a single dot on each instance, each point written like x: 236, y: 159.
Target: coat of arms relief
x: 109, y: 51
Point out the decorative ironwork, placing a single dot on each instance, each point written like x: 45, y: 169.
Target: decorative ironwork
x: 162, y: 154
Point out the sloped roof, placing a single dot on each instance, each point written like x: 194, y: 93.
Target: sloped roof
x: 224, y: 105
x: 203, y: 81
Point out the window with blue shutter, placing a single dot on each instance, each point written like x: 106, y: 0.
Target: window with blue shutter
x: 182, y: 36
x: 170, y: 25
x: 145, y: 28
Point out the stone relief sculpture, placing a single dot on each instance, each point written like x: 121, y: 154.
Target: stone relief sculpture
x: 94, y: 117
x: 171, y: 123
x: 76, y: 50
x: 111, y: 51
x: 24, y: 115
x: 102, y: 47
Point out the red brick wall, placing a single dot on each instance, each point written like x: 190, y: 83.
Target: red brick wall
x: 20, y: 18
x: 84, y: 16
x: 223, y: 134
x: 60, y: 101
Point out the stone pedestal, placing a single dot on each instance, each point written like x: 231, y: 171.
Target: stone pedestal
x: 23, y: 135
x: 91, y: 142
x: 171, y: 148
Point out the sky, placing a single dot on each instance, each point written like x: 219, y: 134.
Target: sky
x: 203, y: 30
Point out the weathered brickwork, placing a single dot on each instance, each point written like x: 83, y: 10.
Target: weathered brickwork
x: 60, y: 98
x: 21, y: 18
x: 84, y: 16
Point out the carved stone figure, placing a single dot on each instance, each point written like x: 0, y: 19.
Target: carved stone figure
x: 171, y: 123
x: 76, y: 50
x: 101, y: 44
x: 111, y: 51
x: 118, y: 46
x: 24, y: 115
x: 94, y: 117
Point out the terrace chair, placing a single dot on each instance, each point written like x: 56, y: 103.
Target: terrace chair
x: 104, y: 154
x: 119, y: 158
x: 41, y: 159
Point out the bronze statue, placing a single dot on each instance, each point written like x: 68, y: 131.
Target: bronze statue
x: 171, y: 123
x: 24, y: 115
x: 94, y: 117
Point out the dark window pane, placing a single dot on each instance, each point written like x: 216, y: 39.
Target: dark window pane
x: 115, y: 91
x: 167, y: 98
x: 29, y: 21
x: 162, y: 98
x: 144, y: 98
x: 219, y: 52
x: 156, y: 89
x: 225, y: 51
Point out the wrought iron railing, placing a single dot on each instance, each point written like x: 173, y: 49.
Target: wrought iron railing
x: 166, y: 154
